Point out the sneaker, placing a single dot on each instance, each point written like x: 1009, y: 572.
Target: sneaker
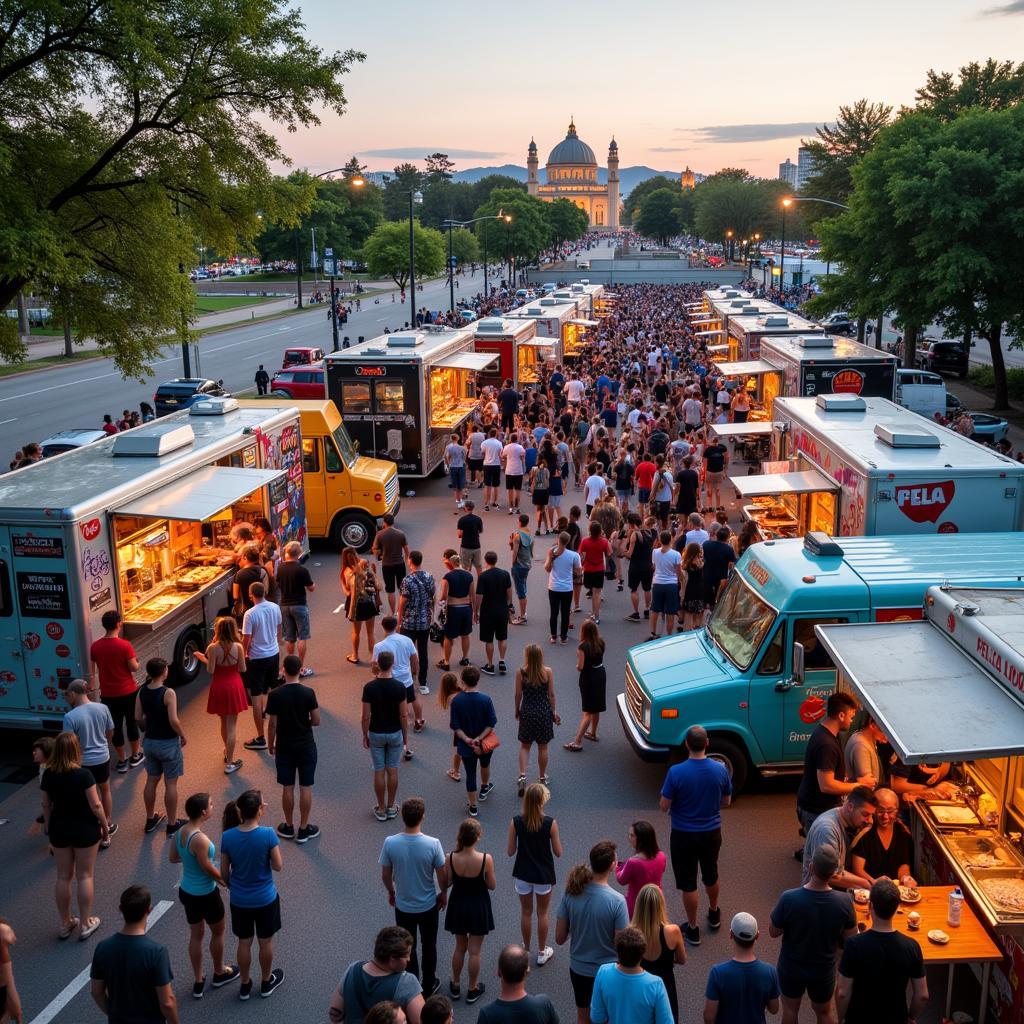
x: 303, y: 674
x: 173, y: 826
x: 647, y: 613
x: 256, y: 743
x: 112, y: 828
x: 474, y: 811
x: 380, y: 814
x: 245, y: 989
x: 475, y: 993
x: 454, y: 991
x: 274, y: 981
x: 425, y: 690
x: 692, y: 935
x: 463, y: 662
x: 633, y: 617
x: 151, y: 823
x: 488, y: 670
x: 231, y: 974
x: 312, y: 831
x: 485, y: 790
x: 521, y: 785
x: 502, y: 667
x: 407, y: 754
x: 198, y: 988
x: 232, y: 766
x: 544, y: 956
x: 104, y: 844
x: 487, y: 508
x: 122, y: 767
x: 434, y: 986
x: 286, y: 831
x: 392, y: 812
x: 596, y: 621
x: 715, y: 919
x: 136, y: 759
x: 511, y: 512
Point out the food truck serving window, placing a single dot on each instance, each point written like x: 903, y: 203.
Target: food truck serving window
x: 390, y: 396
x: 740, y: 622
x: 200, y: 495
x: 355, y: 397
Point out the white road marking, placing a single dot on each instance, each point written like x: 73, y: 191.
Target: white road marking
x: 71, y: 990
x: 11, y: 420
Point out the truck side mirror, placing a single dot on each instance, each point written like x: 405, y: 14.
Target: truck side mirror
x: 798, y: 663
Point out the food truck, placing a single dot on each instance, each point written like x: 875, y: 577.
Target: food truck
x: 138, y: 522
x: 521, y: 353
x: 559, y: 319
x: 745, y: 331
x: 710, y: 317
x: 854, y: 466
x: 402, y: 395
x: 947, y: 689
x: 739, y: 676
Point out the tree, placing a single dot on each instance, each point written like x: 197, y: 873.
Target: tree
x: 439, y: 168
x: 726, y: 203
x: 446, y: 200
x: 995, y: 85
x: 640, y: 192
x: 483, y: 188
x: 130, y: 131
x: 353, y: 168
x: 521, y: 238
x: 566, y: 221
x: 465, y: 247
x: 408, y: 178
x: 387, y: 252
x: 729, y: 174
x: 659, y: 215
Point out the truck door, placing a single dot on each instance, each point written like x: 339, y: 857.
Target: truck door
x: 313, y: 485
x: 13, y: 676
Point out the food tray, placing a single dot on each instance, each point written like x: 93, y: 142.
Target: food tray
x: 953, y: 814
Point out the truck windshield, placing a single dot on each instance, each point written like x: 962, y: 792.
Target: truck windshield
x: 740, y: 622
x: 344, y: 443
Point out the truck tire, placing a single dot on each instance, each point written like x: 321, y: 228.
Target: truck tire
x: 733, y: 756
x: 352, y: 529
x: 185, y: 665
x: 280, y: 394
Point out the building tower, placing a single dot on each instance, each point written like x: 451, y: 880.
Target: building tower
x: 687, y: 180
x: 531, y: 168
x: 613, y: 185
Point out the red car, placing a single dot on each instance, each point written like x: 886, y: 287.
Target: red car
x: 301, y: 356
x: 300, y: 382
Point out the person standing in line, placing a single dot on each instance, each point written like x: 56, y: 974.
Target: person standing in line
x: 74, y: 821
x: 156, y: 711
x: 250, y: 571
x: 513, y: 460
x: 692, y: 608
x: 740, y: 990
x: 565, y: 570
x: 472, y: 718
x: 662, y: 488
x: 521, y: 543
x: 595, y: 487
x: 534, y: 841
x: 624, y: 993
x: 470, y: 526
x: 695, y: 533
x: 812, y: 921
x: 392, y: 550
x: 93, y: 724
x: 292, y: 714
x: 491, y: 610
x: 415, y: 611
x: 113, y: 662
x: 225, y: 661
x: 475, y: 457
x: 861, y: 756
x: 637, y: 549
x: 664, y: 946
x: 261, y: 644
x: 385, y: 734
x: 455, y: 467
x: 589, y: 915
x: 404, y: 667
x: 293, y: 584
x: 595, y: 551
x: 592, y: 682
x: 536, y: 712
x: 197, y: 891
x: 719, y: 559
x: 492, y: 449
x: 515, y: 1005
x: 410, y: 861
x: 458, y: 594
x: 384, y: 979
x: 645, y: 867
x: 694, y: 793
x: 667, y: 579
x: 262, y: 380
x: 877, y: 966
x: 131, y: 978
x: 716, y: 465
x: 250, y: 854
x: 468, y: 916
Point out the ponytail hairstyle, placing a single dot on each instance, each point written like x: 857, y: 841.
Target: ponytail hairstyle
x: 244, y: 808
x: 578, y: 879
x: 447, y: 689
x: 156, y: 668
x: 468, y: 835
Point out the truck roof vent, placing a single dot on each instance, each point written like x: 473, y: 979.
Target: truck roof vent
x: 776, y: 320
x: 576, y: 288
x: 738, y: 304
x: 821, y: 544
x: 750, y: 310
x: 404, y: 340
x: 213, y: 405
x: 815, y: 341
x: 534, y: 311
x: 584, y: 280
x: 434, y: 328
x: 490, y: 325
x: 730, y: 293
x: 906, y: 437
x: 549, y: 300
x: 155, y: 440
x: 841, y: 403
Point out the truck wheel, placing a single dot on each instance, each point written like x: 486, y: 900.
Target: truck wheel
x: 185, y: 665
x: 733, y: 756
x: 280, y: 394
x: 352, y: 530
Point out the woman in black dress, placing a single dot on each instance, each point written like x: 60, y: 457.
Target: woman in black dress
x: 593, y: 683
x: 73, y: 819
x: 535, y: 711
x: 665, y: 945
x: 691, y: 611
x: 469, y: 917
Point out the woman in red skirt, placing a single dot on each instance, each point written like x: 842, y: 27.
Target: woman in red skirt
x: 225, y: 661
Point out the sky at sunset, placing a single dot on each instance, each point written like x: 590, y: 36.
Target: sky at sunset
x: 678, y: 83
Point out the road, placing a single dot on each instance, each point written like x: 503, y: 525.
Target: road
x: 35, y: 405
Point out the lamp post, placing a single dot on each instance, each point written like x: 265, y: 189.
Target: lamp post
x: 810, y: 199
x: 728, y: 245
x: 415, y: 196
x: 782, y: 258
x: 357, y: 181
x: 449, y: 224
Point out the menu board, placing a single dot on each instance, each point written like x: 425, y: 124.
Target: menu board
x: 43, y: 595
x: 27, y: 545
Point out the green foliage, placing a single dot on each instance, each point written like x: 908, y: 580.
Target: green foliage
x: 439, y: 168
x: 566, y: 221
x: 465, y: 247
x: 387, y: 252
x: 729, y: 174
x: 131, y: 132
x: 353, y: 168
x: 994, y: 85
x: 446, y: 200
x: 631, y: 204
x: 659, y: 215
x: 724, y: 202
x: 527, y: 233
x: 407, y: 178
x: 984, y: 377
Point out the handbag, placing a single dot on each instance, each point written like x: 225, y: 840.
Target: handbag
x: 435, y: 632
x: 490, y: 743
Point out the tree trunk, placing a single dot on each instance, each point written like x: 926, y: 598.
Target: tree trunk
x: 910, y: 345
x: 24, y: 328
x: 995, y: 344
x: 68, y: 347
x: 878, y: 329
x: 862, y: 322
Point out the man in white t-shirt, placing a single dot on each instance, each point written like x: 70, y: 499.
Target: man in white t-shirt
x: 636, y: 416
x: 565, y: 570
x: 653, y: 361
x: 574, y: 390
x: 693, y: 412
x: 491, y: 449
x: 405, y: 669
x: 513, y: 458
x: 696, y: 534
x: 261, y: 641
x: 594, y: 487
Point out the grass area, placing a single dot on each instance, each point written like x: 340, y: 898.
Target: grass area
x: 7, y: 369
x: 983, y: 377
x: 217, y: 303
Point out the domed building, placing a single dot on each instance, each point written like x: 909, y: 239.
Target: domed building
x: 571, y: 173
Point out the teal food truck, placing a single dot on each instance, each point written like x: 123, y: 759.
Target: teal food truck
x: 757, y: 677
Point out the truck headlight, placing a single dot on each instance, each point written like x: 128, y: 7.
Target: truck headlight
x: 645, y: 715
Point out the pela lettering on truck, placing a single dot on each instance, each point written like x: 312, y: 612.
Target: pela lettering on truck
x: 756, y: 677
x: 135, y: 523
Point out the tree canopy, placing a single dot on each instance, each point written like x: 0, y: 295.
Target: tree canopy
x: 524, y: 236
x: 387, y: 252
x: 566, y: 221
x: 659, y: 215
x: 639, y: 192
x: 994, y: 85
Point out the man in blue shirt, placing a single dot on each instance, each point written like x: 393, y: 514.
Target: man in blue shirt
x: 694, y: 793
x: 624, y: 993
x: 741, y: 989
x: 472, y: 718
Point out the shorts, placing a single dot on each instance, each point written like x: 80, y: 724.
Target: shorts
x: 208, y: 908
x: 100, y: 772
x: 623, y: 496
x: 555, y: 500
x: 457, y: 476
x: 514, y: 482
x: 475, y: 465
x: 519, y: 574
x: 261, y: 674
x: 640, y: 577
x: 714, y: 479
x: 471, y: 558
x: 593, y: 580
x: 492, y: 629
x: 643, y: 495
x: 164, y: 757
x: 665, y: 598
x: 264, y: 921
x: 582, y: 989
x: 819, y: 984
x: 458, y: 621
x: 393, y: 576
x: 492, y: 476
x: 541, y: 499
x: 295, y: 760
x: 386, y: 749
x: 664, y: 507
x: 530, y: 888
x: 410, y: 693
x: 690, y: 849
x: 295, y: 622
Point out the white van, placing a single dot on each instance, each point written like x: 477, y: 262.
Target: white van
x: 922, y: 392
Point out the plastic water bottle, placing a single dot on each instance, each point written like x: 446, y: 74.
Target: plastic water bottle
x: 956, y: 906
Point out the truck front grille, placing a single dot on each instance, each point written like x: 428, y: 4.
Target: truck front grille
x: 634, y: 697
x: 391, y: 491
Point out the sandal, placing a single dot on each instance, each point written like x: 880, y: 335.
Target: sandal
x: 88, y: 928
x: 443, y: 666
x: 65, y: 932
x: 351, y: 660
x: 419, y: 724
x: 591, y: 736
x: 574, y: 747
x: 453, y: 775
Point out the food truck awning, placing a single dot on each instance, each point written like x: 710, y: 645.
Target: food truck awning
x: 540, y: 342
x: 201, y: 494
x: 766, y: 485
x: 904, y: 672
x: 708, y: 334
x: 746, y: 368
x: 468, y: 361
x: 742, y: 429
x: 718, y: 348
x: 585, y: 323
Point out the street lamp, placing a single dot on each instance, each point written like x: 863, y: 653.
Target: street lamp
x: 806, y: 199
x: 356, y: 181
x: 450, y: 224
x: 728, y: 245
x: 414, y: 197
x: 782, y: 259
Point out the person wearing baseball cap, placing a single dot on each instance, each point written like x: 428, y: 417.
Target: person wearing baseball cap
x: 740, y: 990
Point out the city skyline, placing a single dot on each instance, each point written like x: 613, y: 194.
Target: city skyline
x: 696, y: 90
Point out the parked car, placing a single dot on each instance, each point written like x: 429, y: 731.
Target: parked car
x: 839, y: 323
x: 181, y: 392
x: 68, y: 440
x: 941, y: 356
x: 300, y: 382
x: 953, y: 404
x: 301, y: 355
x: 988, y: 427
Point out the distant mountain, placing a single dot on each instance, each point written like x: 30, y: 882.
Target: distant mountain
x: 629, y: 177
